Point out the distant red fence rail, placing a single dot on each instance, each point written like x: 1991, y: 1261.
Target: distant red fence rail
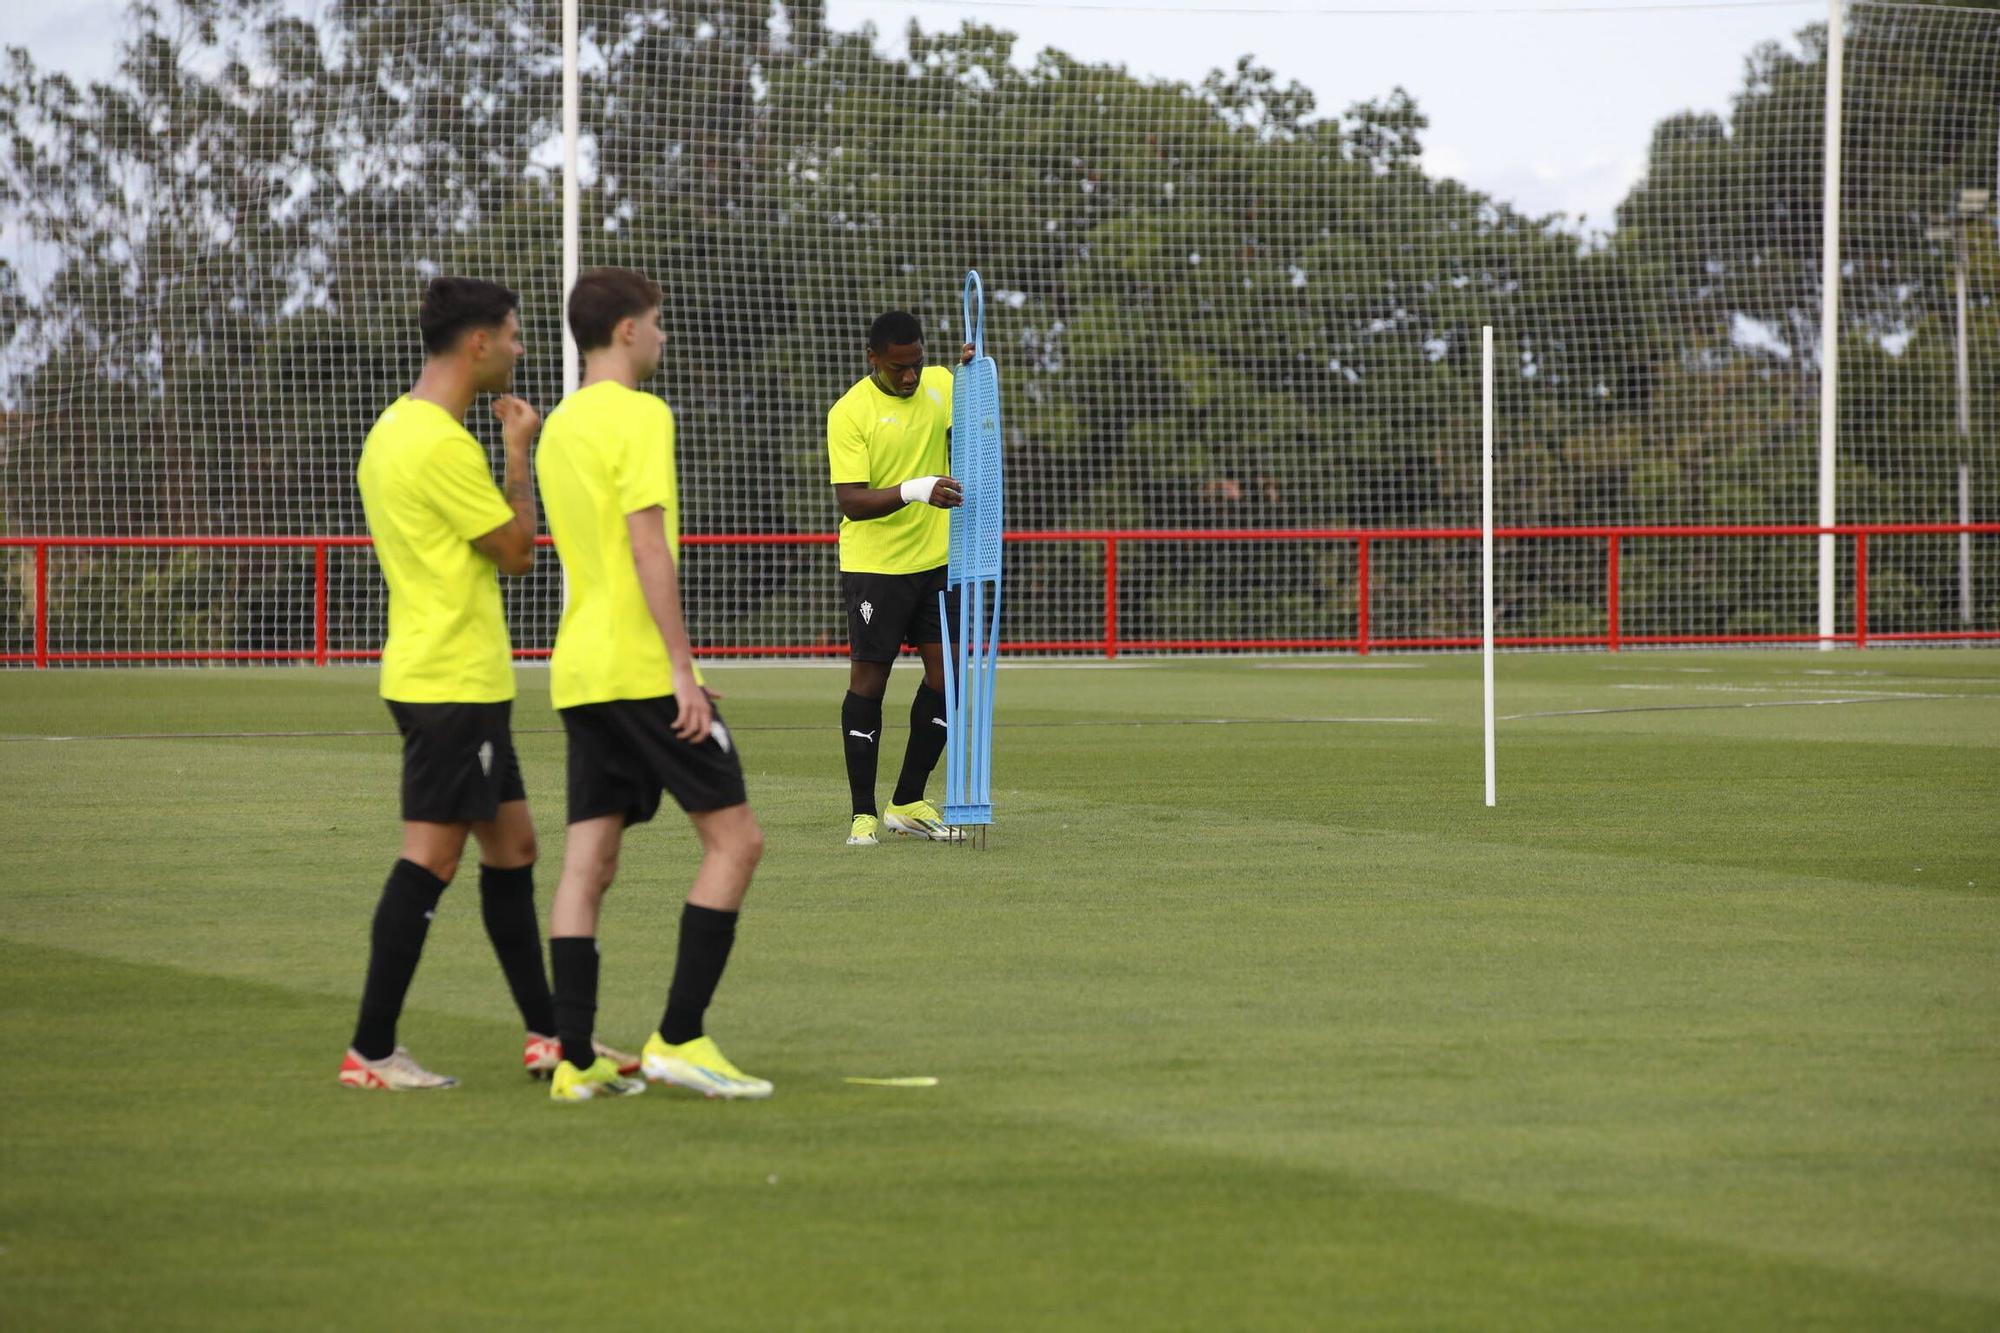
x: 1110, y: 643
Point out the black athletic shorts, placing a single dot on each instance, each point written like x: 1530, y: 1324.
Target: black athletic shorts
x: 886, y: 611
x: 624, y: 752
x: 458, y: 761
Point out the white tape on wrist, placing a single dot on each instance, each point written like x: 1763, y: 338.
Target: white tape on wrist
x: 917, y: 490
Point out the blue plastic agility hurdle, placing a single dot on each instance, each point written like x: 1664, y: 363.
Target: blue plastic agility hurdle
x: 973, y: 576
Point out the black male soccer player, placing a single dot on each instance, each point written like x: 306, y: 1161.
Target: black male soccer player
x: 637, y: 716
x: 441, y: 528
x: 888, y: 440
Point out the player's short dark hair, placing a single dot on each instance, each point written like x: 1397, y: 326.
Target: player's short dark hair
x: 604, y: 296
x: 893, y: 330
x: 453, y: 305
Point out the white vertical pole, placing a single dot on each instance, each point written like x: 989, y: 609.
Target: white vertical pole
x: 572, y: 220
x: 1829, y: 317
x: 572, y: 121
x: 1964, y: 361
x: 1965, y: 545
x: 1486, y: 538
x: 1964, y: 441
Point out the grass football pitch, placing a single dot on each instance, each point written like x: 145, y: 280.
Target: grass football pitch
x: 1250, y: 1016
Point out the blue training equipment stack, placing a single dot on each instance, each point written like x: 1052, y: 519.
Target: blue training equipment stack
x: 973, y: 578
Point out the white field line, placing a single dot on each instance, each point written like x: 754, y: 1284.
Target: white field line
x: 1816, y: 689
x: 1238, y: 721
x: 1751, y: 703
x: 1079, y: 666
x: 1337, y: 666
x: 1622, y: 668
x: 1855, y: 673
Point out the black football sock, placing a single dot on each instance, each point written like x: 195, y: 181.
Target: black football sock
x: 507, y: 902
x: 395, y: 943
x: 861, y: 730
x: 920, y: 756
x: 706, y: 935
x: 573, y: 959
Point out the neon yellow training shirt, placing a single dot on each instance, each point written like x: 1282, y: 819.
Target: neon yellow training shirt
x: 428, y: 492
x: 608, y: 451
x: 883, y: 440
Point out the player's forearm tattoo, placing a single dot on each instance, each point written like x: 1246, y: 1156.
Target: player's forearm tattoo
x: 519, y: 489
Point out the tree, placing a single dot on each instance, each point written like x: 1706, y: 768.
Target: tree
x: 1214, y: 305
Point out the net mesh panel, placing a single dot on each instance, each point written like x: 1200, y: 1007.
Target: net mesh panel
x: 1922, y: 126
x: 1214, y: 307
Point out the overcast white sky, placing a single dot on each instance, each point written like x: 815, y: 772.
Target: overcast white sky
x: 1550, y: 110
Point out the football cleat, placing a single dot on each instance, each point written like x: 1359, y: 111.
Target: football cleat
x: 920, y: 819
x: 700, y: 1065
x: 602, y: 1079
x: 395, y: 1072
x: 864, y: 831
x: 541, y: 1055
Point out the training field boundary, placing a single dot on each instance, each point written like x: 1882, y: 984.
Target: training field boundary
x: 1111, y: 642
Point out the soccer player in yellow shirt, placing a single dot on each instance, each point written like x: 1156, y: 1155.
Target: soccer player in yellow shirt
x: 638, y: 718
x: 441, y: 529
x: 888, y: 441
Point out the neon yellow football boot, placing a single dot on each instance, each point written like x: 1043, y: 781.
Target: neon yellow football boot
x: 599, y: 1081
x: 865, y: 831
x: 920, y: 819
x: 700, y: 1065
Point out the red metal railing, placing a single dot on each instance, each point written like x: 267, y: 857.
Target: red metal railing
x: 1111, y: 642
